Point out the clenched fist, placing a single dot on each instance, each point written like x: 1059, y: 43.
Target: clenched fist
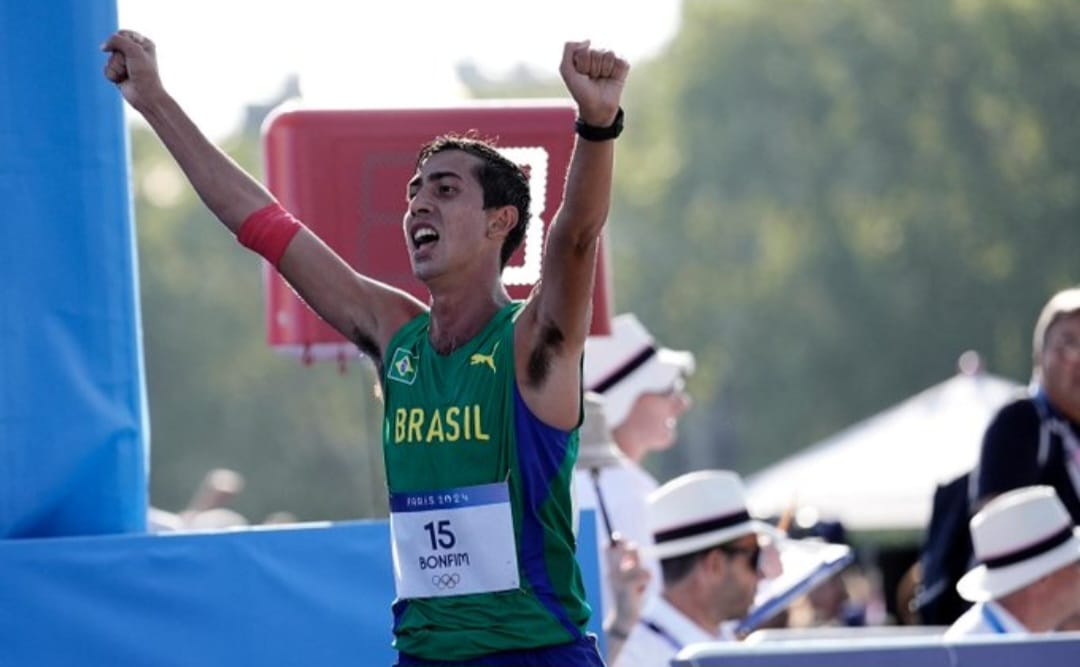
x: 595, y: 79
x: 132, y: 66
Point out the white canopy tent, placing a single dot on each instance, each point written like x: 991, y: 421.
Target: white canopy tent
x: 880, y: 473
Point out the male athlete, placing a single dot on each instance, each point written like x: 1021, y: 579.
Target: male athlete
x: 483, y: 394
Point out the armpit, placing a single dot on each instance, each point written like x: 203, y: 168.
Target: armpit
x: 549, y: 342
x: 368, y: 346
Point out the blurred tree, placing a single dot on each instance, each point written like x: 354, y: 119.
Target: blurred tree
x: 833, y: 199
x: 305, y: 439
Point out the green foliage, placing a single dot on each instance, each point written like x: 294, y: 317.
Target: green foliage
x: 832, y: 199
x: 306, y: 439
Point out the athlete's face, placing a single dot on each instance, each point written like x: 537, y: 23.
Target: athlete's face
x: 445, y: 225
x: 1059, y: 365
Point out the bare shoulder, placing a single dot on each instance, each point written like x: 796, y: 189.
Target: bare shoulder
x: 395, y: 309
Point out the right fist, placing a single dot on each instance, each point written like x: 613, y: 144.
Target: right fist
x: 116, y: 68
x: 132, y: 66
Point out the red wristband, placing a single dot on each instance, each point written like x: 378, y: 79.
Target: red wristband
x: 268, y: 232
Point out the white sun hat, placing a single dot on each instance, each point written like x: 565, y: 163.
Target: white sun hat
x: 699, y: 510
x: 1019, y: 537
x: 596, y: 447
x: 628, y: 363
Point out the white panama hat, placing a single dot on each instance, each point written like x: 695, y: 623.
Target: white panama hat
x: 699, y: 510
x: 1019, y: 537
x: 627, y: 364
x: 596, y: 447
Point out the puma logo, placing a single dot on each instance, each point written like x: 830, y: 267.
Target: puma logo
x: 485, y: 359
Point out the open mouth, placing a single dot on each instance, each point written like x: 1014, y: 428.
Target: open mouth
x: 423, y: 236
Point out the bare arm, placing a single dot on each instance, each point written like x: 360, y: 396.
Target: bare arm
x: 555, y: 323
x: 364, y: 310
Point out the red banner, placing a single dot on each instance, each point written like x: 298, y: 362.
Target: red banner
x: 344, y: 173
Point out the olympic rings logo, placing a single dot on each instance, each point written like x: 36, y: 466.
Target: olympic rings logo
x: 445, y: 581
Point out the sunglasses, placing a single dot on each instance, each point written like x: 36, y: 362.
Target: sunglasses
x: 753, y: 555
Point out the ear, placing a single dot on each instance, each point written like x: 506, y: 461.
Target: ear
x: 501, y: 221
x: 715, y: 562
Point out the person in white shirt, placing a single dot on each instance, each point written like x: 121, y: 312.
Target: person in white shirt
x: 642, y: 389
x: 623, y: 574
x: 709, y: 553
x: 1028, y: 577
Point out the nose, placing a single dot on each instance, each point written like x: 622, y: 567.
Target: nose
x: 420, y: 205
x: 682, y: 401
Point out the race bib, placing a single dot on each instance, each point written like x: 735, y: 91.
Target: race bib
x: 453, y: 542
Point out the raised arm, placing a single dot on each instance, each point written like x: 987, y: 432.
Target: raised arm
x: 363, y: 310
x: 553, y: 328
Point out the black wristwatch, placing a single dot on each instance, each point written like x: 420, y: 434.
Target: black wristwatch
x: 594, y: 133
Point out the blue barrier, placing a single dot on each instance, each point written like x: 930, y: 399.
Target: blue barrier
x: 306, y: 595
x: 925, y: 651
x: 72, y: 399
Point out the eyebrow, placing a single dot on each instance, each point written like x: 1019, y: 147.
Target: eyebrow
x: 414, y: 184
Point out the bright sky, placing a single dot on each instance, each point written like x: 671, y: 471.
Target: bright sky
x: 216, y: 56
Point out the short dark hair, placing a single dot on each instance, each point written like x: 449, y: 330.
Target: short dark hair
x: 677, y: 568
x: 502, y: 182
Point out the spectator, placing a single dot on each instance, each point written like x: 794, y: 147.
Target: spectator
x: 831, y: 602
x: 1028, y: 577
x: 643, y: 389
x: 623, y: 575
x: 709, y: 554
x: 1034, y: 440
x: 207, y: 510
x: 218, y: 488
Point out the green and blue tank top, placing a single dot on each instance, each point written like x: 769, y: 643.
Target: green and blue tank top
x: 458, y: 420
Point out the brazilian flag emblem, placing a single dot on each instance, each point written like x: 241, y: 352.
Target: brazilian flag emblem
x: 403, y: 366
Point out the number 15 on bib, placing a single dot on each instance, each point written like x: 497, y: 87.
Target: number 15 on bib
x: 453, y: 542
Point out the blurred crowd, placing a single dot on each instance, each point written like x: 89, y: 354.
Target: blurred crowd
x: 209, y: 508
x: 685, y: 562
